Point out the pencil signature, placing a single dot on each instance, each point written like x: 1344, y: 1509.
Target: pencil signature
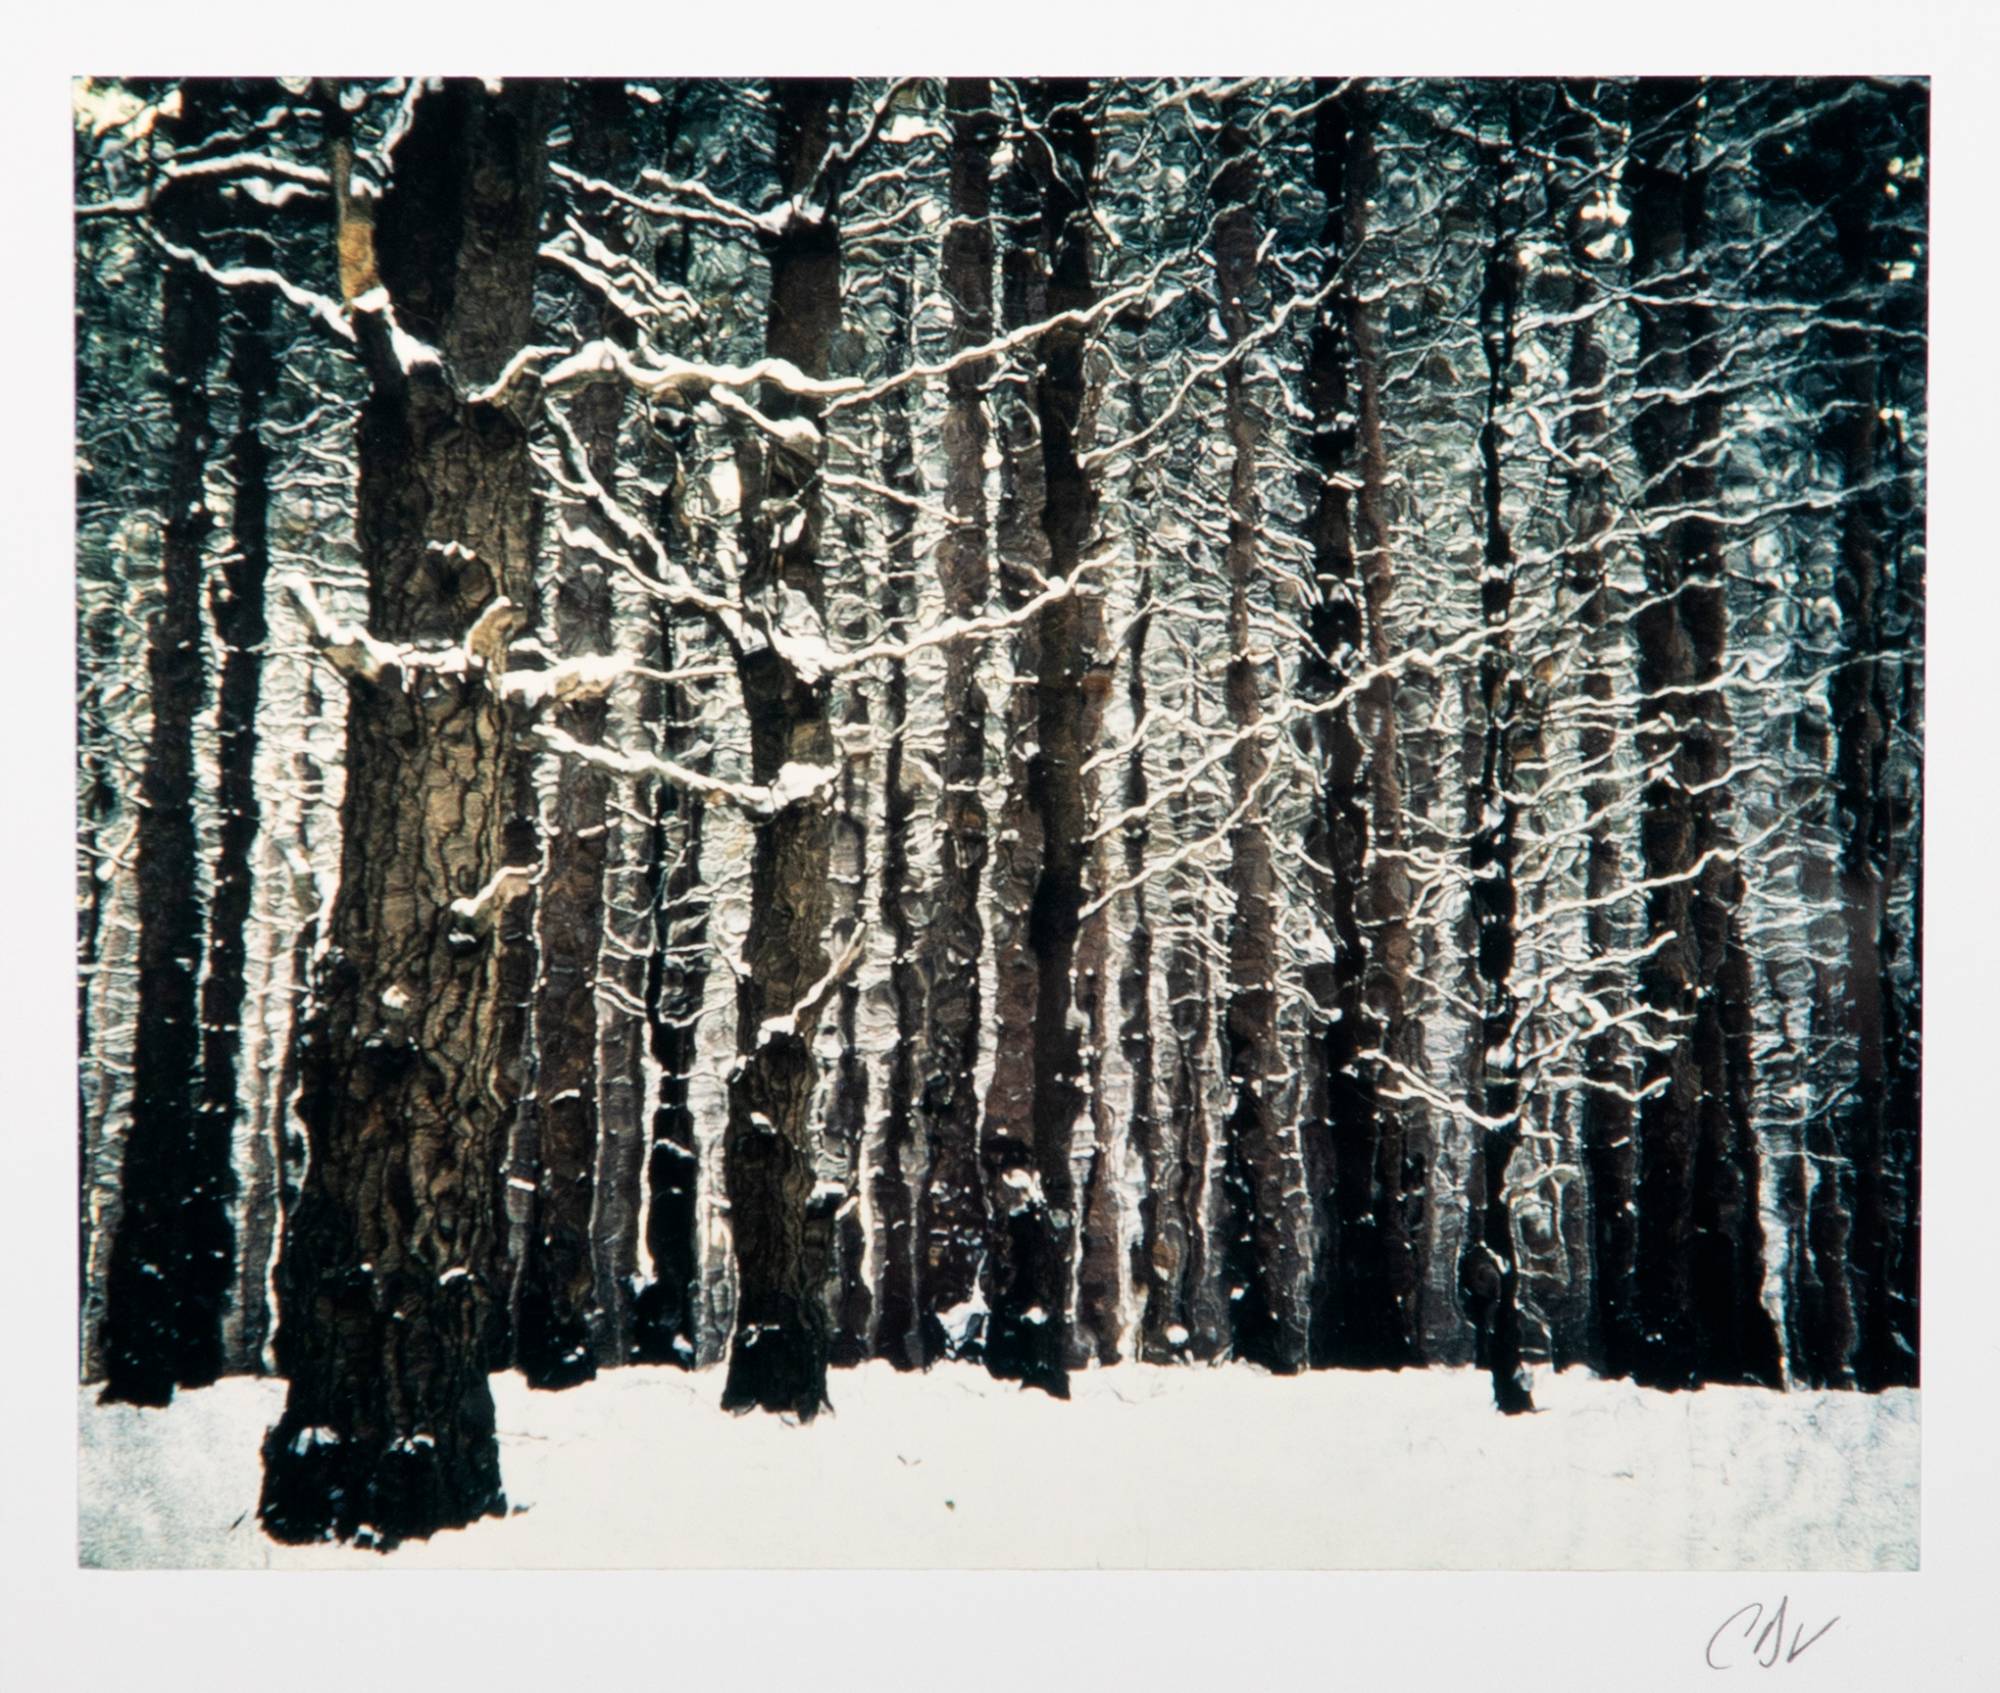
x: 1764, y: 1633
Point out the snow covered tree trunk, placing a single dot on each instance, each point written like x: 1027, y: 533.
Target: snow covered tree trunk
x: 778, y: 1356
x: 1022, y: 1254
x: 951, y: 1220
x: 169, y: 1269
x: 1605, y: 1110
x: 386, y: 1297
x: 672, y: 979
x: 898, y: 1335
x: 570, y: 1314
x: 1488, y: 1275
x: 1030, y: 1333
x: 1870, y: 1275
x: 1264, y: 1249
x: 238, y: 608
x: 1700, y: 1247
x: 675, y: 984
x: 1364, y: 1157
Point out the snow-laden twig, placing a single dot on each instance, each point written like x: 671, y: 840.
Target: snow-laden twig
x: 506, y: 885
x: 796, y: 784
x: 800, y: 1019
x: 659, y: 375
x: 326, y: 312
x: 362, y: 656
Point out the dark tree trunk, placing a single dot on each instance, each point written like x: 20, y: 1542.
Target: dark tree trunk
x: 674, y: 974
x: 1264, y: 1254
x: 665, y: 1328
x: 237, y: 604
x: 1489, y: 1277
x: 168, y: 1279
x: 1367, y: 1163
x: 1029, y: 1338
x: 1162, y: 1247
x: 570, y: 1303
x: 1605, y: 1115
x: 1862, y: 1228
x: 1700, y: 1247
x: 898, y: 1336
x: 1021, y: 1252
x: 951, y: 1222
x: 386, y: 1292
x: 778, y: 1357
x: 1197, y: 1325
x: 837, y: 1236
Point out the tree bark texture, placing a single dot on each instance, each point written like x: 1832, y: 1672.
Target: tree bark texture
x: 778, y: 1356
x: 387, y: 1296
x: 1700, y: 1247
x: 169, y: 1271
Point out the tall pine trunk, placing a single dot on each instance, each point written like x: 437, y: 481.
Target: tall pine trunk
x: 386, y: 1294
x: 1366, y: 1161
x: 1700, y: 1247
x: 169, y: 1272
x: 1605, y: 1112
x: 1863, y: 1231
x: 570, y: 1304
x: 1263, y: 1245
x: 237, y: 604
x: 951, y: 1221
x: 1489, y: 1277
x: 1031, y: 1132
x: 778, y: 1355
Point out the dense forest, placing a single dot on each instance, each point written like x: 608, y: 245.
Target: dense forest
x: 1017, y: 724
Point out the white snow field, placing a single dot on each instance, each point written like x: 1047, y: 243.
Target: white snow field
x: 1146, y: 1467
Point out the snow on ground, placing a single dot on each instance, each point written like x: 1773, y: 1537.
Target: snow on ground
x: 1145, y: 1468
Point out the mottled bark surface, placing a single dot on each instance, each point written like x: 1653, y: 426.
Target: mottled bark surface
x: 386, y: 1297
x: 1366, y: 1161
x: 169, y: 1271
x: 238, y: 608
x: 1022, y: 1254
x: 673, y: 977
x: 1264, y: 1252
x: 897, y: 1334
x: 1700, y: 1246
x: 1605, y: 1113
x: 778, y: 1356
x: 571, y: 1297
x: 1863, y: 1236
x: 1489, y: 1277
x: 951, y: 1222
x: 676, y: 980
x: 1029, y: 1336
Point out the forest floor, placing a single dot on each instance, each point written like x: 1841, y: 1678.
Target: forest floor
x: 1145, y: 1468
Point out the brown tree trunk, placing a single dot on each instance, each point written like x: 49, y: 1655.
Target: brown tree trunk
x: 1863, y: 1229
x: 1700, y: 1247
x: 386, y: 1296
x: 169, y: 1270
x: 570, y: 1306
x: 1264, y: 1250
x: 1610, y: 1165
x: 1367, y: 1162
x: 898, y: 1335
x: 673, y: 977
x: 778, y: 1356
x: 951, y: 1221
x: 238, y: 608
x: 1489, y: 1277
x: 1028, y: 1155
